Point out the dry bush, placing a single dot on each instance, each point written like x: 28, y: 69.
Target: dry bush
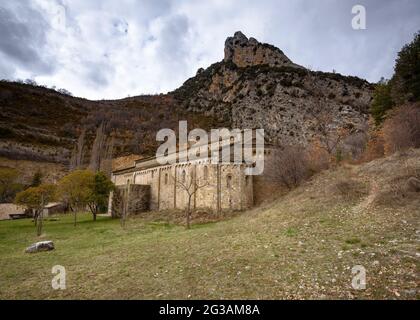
x: 375, y: 147
x: 318, y: 158
x: 288, y: 167
x: 400, y: 189
x: 402, y: 129
x: 354, y: 145
x: 349, y: 189
x: 392, y: 195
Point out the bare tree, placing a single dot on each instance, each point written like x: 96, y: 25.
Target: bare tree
x: 355, y: 144
x: 125, y: 204
x: 401, y: 129
x: 288, y: 166
x: 190, y: 185
x: 330, y: 137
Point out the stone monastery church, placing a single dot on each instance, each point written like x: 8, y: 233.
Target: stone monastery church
x: 221, y: 186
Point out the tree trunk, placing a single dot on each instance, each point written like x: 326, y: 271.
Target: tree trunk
x: 35, y: 218
x: 40, y: 216
x: 126, y: 207
x: 39, y: 224
x: 188, y: 212
x: 75, y: 217
x: 94, y: 209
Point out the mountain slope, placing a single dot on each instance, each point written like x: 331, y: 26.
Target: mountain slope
x: 255, y: 86
x: 41, y: 125
x: 304, y: 245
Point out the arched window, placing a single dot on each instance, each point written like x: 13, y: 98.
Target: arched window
x: 228, y: 181
x: 246, y: 180
x: 206, y: 173
x: 183, y: 175
x: 166, y: 178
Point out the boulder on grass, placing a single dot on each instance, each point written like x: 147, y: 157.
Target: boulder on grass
x: 40, y: 246
x: 413, y: 184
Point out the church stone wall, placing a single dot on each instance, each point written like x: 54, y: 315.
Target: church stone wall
x: 138, y: 199
x: 227, y: 188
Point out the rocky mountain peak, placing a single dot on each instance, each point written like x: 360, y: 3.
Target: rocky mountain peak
x: 258, y: 86
x: 244, y: 52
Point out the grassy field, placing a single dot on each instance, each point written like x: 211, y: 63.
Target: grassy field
x: 304, y: 245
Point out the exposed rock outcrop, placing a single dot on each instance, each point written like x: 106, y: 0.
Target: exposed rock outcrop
x: 413, y: 184
x: 244, y: 52
x: 257, y: 86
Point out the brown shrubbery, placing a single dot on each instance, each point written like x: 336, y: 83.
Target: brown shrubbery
x: 401, y: 130
x: 317, y: 157
x: 403, y: 186
x: 375, y: 147
x: 289, y: 166
x: 292, y: 165
x: 349, y: 189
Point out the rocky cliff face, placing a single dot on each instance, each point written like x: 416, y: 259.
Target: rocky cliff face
x: 257, y: 86
x: 244, y: 52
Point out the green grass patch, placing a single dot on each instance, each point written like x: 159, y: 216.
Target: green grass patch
x: 353, y: 241
x: 291, y: 232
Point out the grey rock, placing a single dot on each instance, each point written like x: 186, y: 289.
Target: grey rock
x: 40, y: 246
x: 200, y: 70
x: 413, y: 184
x: 245, y: 52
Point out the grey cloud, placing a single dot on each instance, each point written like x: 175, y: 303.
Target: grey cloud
x: 98, y: 75
x: 6, y: 70
x: 321, y: 36
x: 23, y: 39
x: 114, y: 48
x: 173, y: 43
x: 120, y: 27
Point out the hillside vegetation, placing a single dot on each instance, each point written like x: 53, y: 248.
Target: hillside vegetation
x: 303, y: 245
x: 41, y: 125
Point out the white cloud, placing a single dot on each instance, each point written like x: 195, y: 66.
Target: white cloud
x: 111, y: 49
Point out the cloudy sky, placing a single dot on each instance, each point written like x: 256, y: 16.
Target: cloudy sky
x: 115, y: 48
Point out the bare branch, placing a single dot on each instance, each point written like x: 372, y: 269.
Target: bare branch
x: 190, y: 185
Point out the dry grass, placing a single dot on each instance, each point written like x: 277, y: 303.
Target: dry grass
x: 178, y: 217
x: 350, y: 189
x: 302, y: 246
